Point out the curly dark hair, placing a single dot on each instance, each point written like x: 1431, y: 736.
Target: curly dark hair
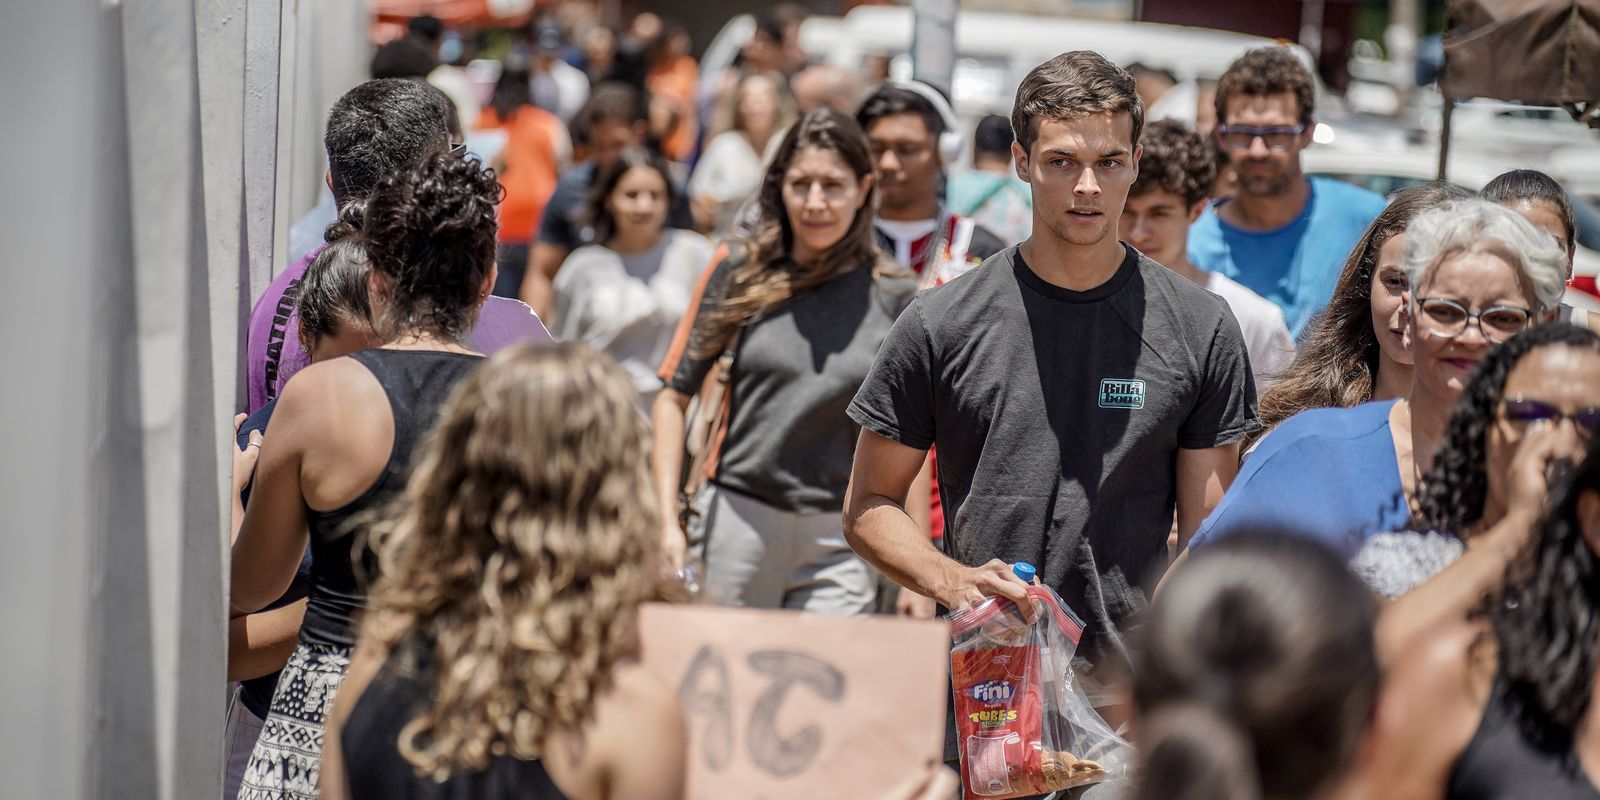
x: 1548, y: 619
x: 606, y: 181
x: 1337, y: 363
x: 1176, y: 159
x: 1452, y: 493
x: 1268, y: 70
x: 431, y: 231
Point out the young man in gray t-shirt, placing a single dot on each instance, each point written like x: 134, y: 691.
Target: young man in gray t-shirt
x: 1079, y: 393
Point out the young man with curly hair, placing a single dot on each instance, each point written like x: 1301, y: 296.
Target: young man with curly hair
x: 1282, y: 235
x: 1079, y: 393
x: 1175, y: 173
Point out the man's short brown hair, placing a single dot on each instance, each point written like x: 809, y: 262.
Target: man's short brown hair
x: 1264, y: 71
x: 1177, y: 160
x: 1070, y: 86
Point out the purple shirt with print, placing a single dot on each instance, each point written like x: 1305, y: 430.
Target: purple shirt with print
x: 272, y: 348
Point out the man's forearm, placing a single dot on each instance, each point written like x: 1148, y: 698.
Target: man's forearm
x: 886, y: 536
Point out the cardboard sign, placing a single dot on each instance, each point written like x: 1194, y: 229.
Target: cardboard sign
x: 782, y: 704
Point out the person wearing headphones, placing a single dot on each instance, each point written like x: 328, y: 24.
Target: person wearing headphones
x: 914, y: 137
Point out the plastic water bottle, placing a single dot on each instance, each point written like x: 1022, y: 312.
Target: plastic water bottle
x: 1024, y: 572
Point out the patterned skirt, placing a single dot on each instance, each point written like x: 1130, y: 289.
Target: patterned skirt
x: 287, y: 760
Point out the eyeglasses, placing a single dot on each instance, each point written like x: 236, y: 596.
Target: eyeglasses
x: 1278, y: 139
x: 458, y: 147
x: 1522, y: 411
x: 1449, y: 319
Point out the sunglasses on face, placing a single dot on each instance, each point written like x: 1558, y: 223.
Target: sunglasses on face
x: 1241, y: 137
x: 1448, y: 319
x: 1523, y: 411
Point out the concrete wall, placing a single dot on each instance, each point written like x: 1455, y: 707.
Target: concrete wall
x: 141, y: 206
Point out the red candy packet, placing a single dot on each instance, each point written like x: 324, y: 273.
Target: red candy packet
x: 1023, y: 726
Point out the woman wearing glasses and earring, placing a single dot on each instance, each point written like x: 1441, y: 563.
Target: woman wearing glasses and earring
x: 1480, y: 274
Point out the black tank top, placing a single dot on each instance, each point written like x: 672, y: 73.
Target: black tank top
x: 416, y: 383
x: 377, y: 771
x: 1502, y: 763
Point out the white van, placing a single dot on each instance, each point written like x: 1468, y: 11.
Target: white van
x: 996, y: 50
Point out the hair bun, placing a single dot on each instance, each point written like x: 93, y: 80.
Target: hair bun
x: 1193, y: 753
x: 455, y: 194
x: 431, y: 230
x: 351, y: 218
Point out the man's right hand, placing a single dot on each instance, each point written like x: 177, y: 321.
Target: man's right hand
x: 968, y: 586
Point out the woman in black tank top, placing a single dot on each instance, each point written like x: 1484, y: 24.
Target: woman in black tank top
x: 1503, y: 707
x: 497, y: 655
x: 339, y: 445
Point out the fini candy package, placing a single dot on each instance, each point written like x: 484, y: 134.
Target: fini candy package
x: 1023, y: 726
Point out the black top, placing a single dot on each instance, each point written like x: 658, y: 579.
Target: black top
x: 1058, y: 417
x: 565, y: 221
x: 789, y: 442
x: 416, y: 383
x: 1503, y: 763
x: 377, y: 770
x: 256, y: 693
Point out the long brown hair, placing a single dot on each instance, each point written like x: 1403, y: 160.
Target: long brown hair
x: 517, y: 557
x: 1338, y: 360
x: 767, y: 275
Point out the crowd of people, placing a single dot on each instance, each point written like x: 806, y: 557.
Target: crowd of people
x: 1317, y: 468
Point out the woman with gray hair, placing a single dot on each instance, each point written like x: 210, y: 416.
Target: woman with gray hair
x: 1479, y: 274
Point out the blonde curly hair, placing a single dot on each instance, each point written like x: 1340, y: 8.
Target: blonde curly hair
x: 512, y: 567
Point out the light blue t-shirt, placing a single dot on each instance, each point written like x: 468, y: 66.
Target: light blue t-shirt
x: 1297, y: 265
x: 1330, y: 474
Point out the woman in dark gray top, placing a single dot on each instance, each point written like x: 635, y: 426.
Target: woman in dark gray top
x: 339, y: 443
x: 803, y: 305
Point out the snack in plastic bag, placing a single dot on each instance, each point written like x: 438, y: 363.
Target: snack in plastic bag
x: 1023, y: 726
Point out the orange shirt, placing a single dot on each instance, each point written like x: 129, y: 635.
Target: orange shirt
x: 531, y: 169
x: 675, y: 82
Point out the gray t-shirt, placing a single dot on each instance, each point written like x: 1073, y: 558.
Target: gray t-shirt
x: 789, y: 442
x: 628, y: 305
x: 1058, y: 417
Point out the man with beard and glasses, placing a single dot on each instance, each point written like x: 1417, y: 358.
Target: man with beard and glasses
x: 1283, y: 235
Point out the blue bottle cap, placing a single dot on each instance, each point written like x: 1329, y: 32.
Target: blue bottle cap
x: 1024, y: 571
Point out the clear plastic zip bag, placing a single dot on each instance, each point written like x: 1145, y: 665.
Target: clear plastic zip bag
x: 1024, y: 727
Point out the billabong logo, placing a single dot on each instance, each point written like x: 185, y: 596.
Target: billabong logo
x: 1121, y: 393
x: 992, y: 692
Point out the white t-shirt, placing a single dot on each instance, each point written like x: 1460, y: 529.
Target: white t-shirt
x: 905, y: 234
x: 730, y: 173
x: 629, y: 305
x: 1266, y: 335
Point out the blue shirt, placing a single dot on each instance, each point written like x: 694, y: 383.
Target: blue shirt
x: 1297, y: 265
x: 1329, y: 473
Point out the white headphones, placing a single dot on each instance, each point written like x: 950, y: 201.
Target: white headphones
x: 950, y: 141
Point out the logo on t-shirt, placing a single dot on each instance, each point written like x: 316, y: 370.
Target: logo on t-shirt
x: 1121, y: 393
